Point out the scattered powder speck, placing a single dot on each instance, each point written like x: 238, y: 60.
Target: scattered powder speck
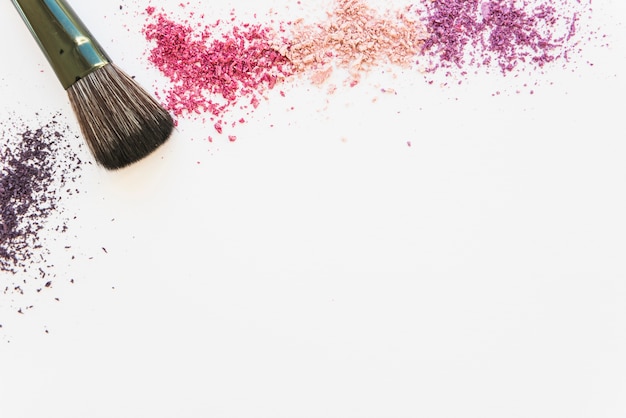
x: 38, y: 166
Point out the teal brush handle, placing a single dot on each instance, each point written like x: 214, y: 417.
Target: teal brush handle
x: 66, y: 42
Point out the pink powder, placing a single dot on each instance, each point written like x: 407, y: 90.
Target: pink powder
x: 354, y: 37
x: 210, y: 73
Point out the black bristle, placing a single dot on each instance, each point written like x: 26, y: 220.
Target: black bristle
x: 120, y: 121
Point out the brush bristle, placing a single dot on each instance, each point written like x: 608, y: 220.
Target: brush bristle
x: 120, y: 121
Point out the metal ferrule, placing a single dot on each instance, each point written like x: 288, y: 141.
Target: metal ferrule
x: 70, y: 48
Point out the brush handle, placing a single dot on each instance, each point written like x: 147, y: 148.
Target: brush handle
x: 70, y: 48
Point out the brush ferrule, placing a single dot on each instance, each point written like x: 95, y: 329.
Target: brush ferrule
x: 70, y: 48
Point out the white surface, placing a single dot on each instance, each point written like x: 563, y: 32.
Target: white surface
x: 323, y: 268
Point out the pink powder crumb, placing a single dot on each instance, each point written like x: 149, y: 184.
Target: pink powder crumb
x: 150, y: 10
x: 232, y: 138
x: 319, y: 77
x: 218, y: 127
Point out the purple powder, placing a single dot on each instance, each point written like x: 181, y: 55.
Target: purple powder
x: 501, y: 33
x: 36, y: 167
x: 452, y: 26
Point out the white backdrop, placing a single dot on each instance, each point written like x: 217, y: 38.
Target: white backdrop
x: 321, y: 267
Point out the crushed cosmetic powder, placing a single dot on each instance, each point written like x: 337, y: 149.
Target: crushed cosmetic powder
x: 355, y: 37
x: 506, y: 34
x: 37, y: 167
x: 213, y: 68
x: 216, y: 67
x: 209, y: 72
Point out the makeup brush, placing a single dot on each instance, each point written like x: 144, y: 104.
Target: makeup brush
x: 120, y: 121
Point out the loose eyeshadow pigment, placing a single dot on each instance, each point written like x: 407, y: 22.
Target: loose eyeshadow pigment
x: 355, y: 37
x: 37, y: 168
x: 214, y: 67
x: 504, y: 34
x: 212, y: 71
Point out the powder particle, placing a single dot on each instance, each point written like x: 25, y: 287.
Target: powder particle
x: 356, y: 38
x: 36, y: 167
